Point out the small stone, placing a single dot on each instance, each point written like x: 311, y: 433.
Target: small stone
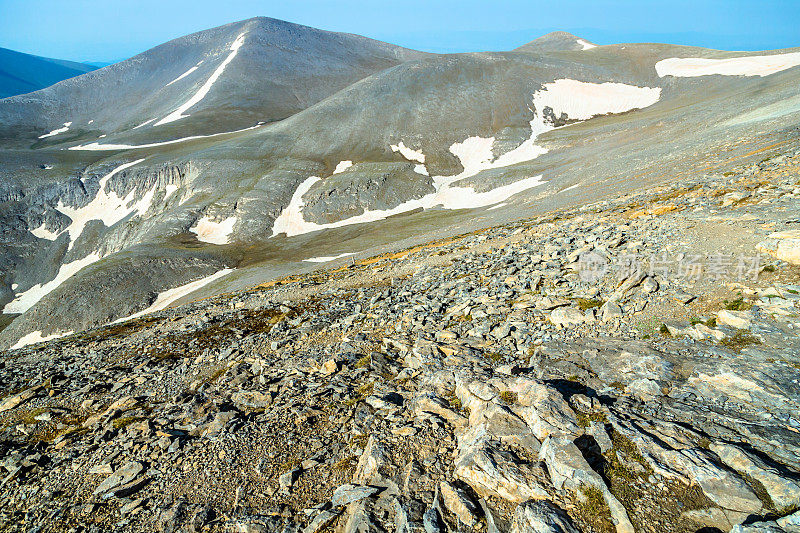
x: 329, y: 367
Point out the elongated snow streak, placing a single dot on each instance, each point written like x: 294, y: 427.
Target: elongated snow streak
x: 408, y: 153
x: 36, y: 337
x: 586, y: 44
x: 689, y: 67
x: 327, y: 258
x: 164, y: 299
x: 213, y: 232
x: 57, y: 130
x: 578, y: 100
x: 143, y: 124
x: 179, y: 78
x: 25, y: 300
x: 201, y: 93
x: 107, y: 147
x: 342, y: 166
x: 107, y: 206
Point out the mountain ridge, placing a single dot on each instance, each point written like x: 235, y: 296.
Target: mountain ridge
x: 22, y: 73
x: 386, y: 145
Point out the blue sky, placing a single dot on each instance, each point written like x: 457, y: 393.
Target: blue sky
x: 105, y: 30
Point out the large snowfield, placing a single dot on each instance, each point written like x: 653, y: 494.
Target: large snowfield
x: 687, y: 67
x: 578, y: 100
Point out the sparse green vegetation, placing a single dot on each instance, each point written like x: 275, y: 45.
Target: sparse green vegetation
x: 359, y: 440
x: 361, y: 393
x: 647, y: 327
x: 508, y: 397
x: 453, y: 400
x: 585, y: 303
x: 494, y: 357
x: 345, y: 464
x: 593, y: 510
x: 740, y: 340
x: 585, y: 419
x: 125, y: 421
x: 737, y: 305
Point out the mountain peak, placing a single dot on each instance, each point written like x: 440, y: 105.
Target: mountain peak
x: 556, y: 41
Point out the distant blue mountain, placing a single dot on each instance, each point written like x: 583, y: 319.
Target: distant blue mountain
x: 24, y: 73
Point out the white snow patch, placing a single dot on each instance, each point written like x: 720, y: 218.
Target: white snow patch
x: 570, y: 187
x: 90, y: 122
x: 101, y: 147
x: 25, y: 300
x: 48, y: 167
x: 498, y: 206
x: 36, y: 337
x: 579, y: 100
x: 421, y: 169
x: 586, y: 44
x: 43, y: 233
x: 179, y: 78
x: 213, y: 232
x: 164, y: 299
x: 327, y: 258
x: 291, y: 220
x: 169, y: 189
x: 145, y: 123
x: 688, y: 67
x: 342, y: 166
x: 408, y: 153
x: 14, y: 286
x: 106, y: 206
x: 582, y: 100
x: 201, y: 93
x: 57, y: 130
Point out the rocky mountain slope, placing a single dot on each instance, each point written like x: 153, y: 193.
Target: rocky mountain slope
x: 628, y: 365
x: 24, y: 73
x: 257, y: 149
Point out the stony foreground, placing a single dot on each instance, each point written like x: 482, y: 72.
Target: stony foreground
x: 482, y: 383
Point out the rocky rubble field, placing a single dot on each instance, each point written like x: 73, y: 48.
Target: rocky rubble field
x: 628, y: 366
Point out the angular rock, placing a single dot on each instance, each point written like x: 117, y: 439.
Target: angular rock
x: 349, y: 493
x: 370, y: 462
x: 491, y: 472
x: 541, y: 517
x: 783, y: 490
x: 251, y: 400
x: 567, y: 316
x: 735, y: 319
x: 124, y: 474
x: 569, y: 469
x: 784, y: 245
x: 459, y: 503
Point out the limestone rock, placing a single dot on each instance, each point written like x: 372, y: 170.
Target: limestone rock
x: 541, y: 517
